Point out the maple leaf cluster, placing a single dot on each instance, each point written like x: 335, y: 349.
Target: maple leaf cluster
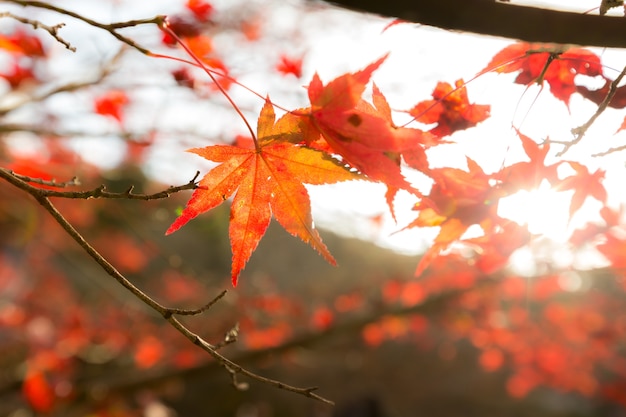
x: 299, y: 149
x: 343, y: 137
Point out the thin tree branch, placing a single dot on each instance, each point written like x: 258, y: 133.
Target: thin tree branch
x: 610, y: 151
x: 195, y: 312
x: 99, y: 192
x: 580, y: 131
x: 52, y: 30
x: 109, y: 27
x: 168, y: 314
x: 49, y: 183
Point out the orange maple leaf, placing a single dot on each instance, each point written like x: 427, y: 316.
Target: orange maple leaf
x: 457, y: 200
x: 450, y: 109
x: 527, y: 175
x: 584, y: 184
x: 268, y: 180
x: 537, y: 62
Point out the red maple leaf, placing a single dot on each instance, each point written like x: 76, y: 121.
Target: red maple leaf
x: 341, y: 122
x: 266, y: 180
x: 450, y: 109
x: 537, y: 62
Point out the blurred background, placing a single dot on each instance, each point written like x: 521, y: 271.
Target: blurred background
x: 539, y: 337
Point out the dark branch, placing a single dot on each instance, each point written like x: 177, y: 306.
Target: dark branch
x: 110, y: 27
x: 580, y: 131
x: 52, y: 30
x: 99, y: 192
x: 489, y: 17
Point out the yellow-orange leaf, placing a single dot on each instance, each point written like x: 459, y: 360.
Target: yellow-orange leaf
x: 267, y: 180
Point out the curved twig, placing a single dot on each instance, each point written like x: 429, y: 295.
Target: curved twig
x: 112, y: 28
x: 99, y: 192
x: 580, y: 131
x: 36, y: 24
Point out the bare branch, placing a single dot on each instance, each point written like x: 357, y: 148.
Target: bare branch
x: 50, y: 183
x: 52, y: 30
x: 231, y: 336
x: 580, y: 131
x: 183, y: 312
x: 110, y: 27
x: 99, y: 192
x: 610, y: 151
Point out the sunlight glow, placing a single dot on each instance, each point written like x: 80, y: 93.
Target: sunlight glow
x: 544, y: 211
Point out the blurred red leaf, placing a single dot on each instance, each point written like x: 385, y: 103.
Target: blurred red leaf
x: 348, y: 302
x: 373, y: 334
x: 584, y: 184
x: 613, y: 249
x: 38, y: 391
x: 18, y: 76
x: 413, y: 293
x: 251, y: 28
x: 148, y: 352
x: 20, y: 42
x: 112, y: 104
x: 322, y: 318
x: 268, y: 337
x: 522, y: 382
x: 491, y: 359
x: 288, y: 65
x: 528, y: 175
x: 201, y: 9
